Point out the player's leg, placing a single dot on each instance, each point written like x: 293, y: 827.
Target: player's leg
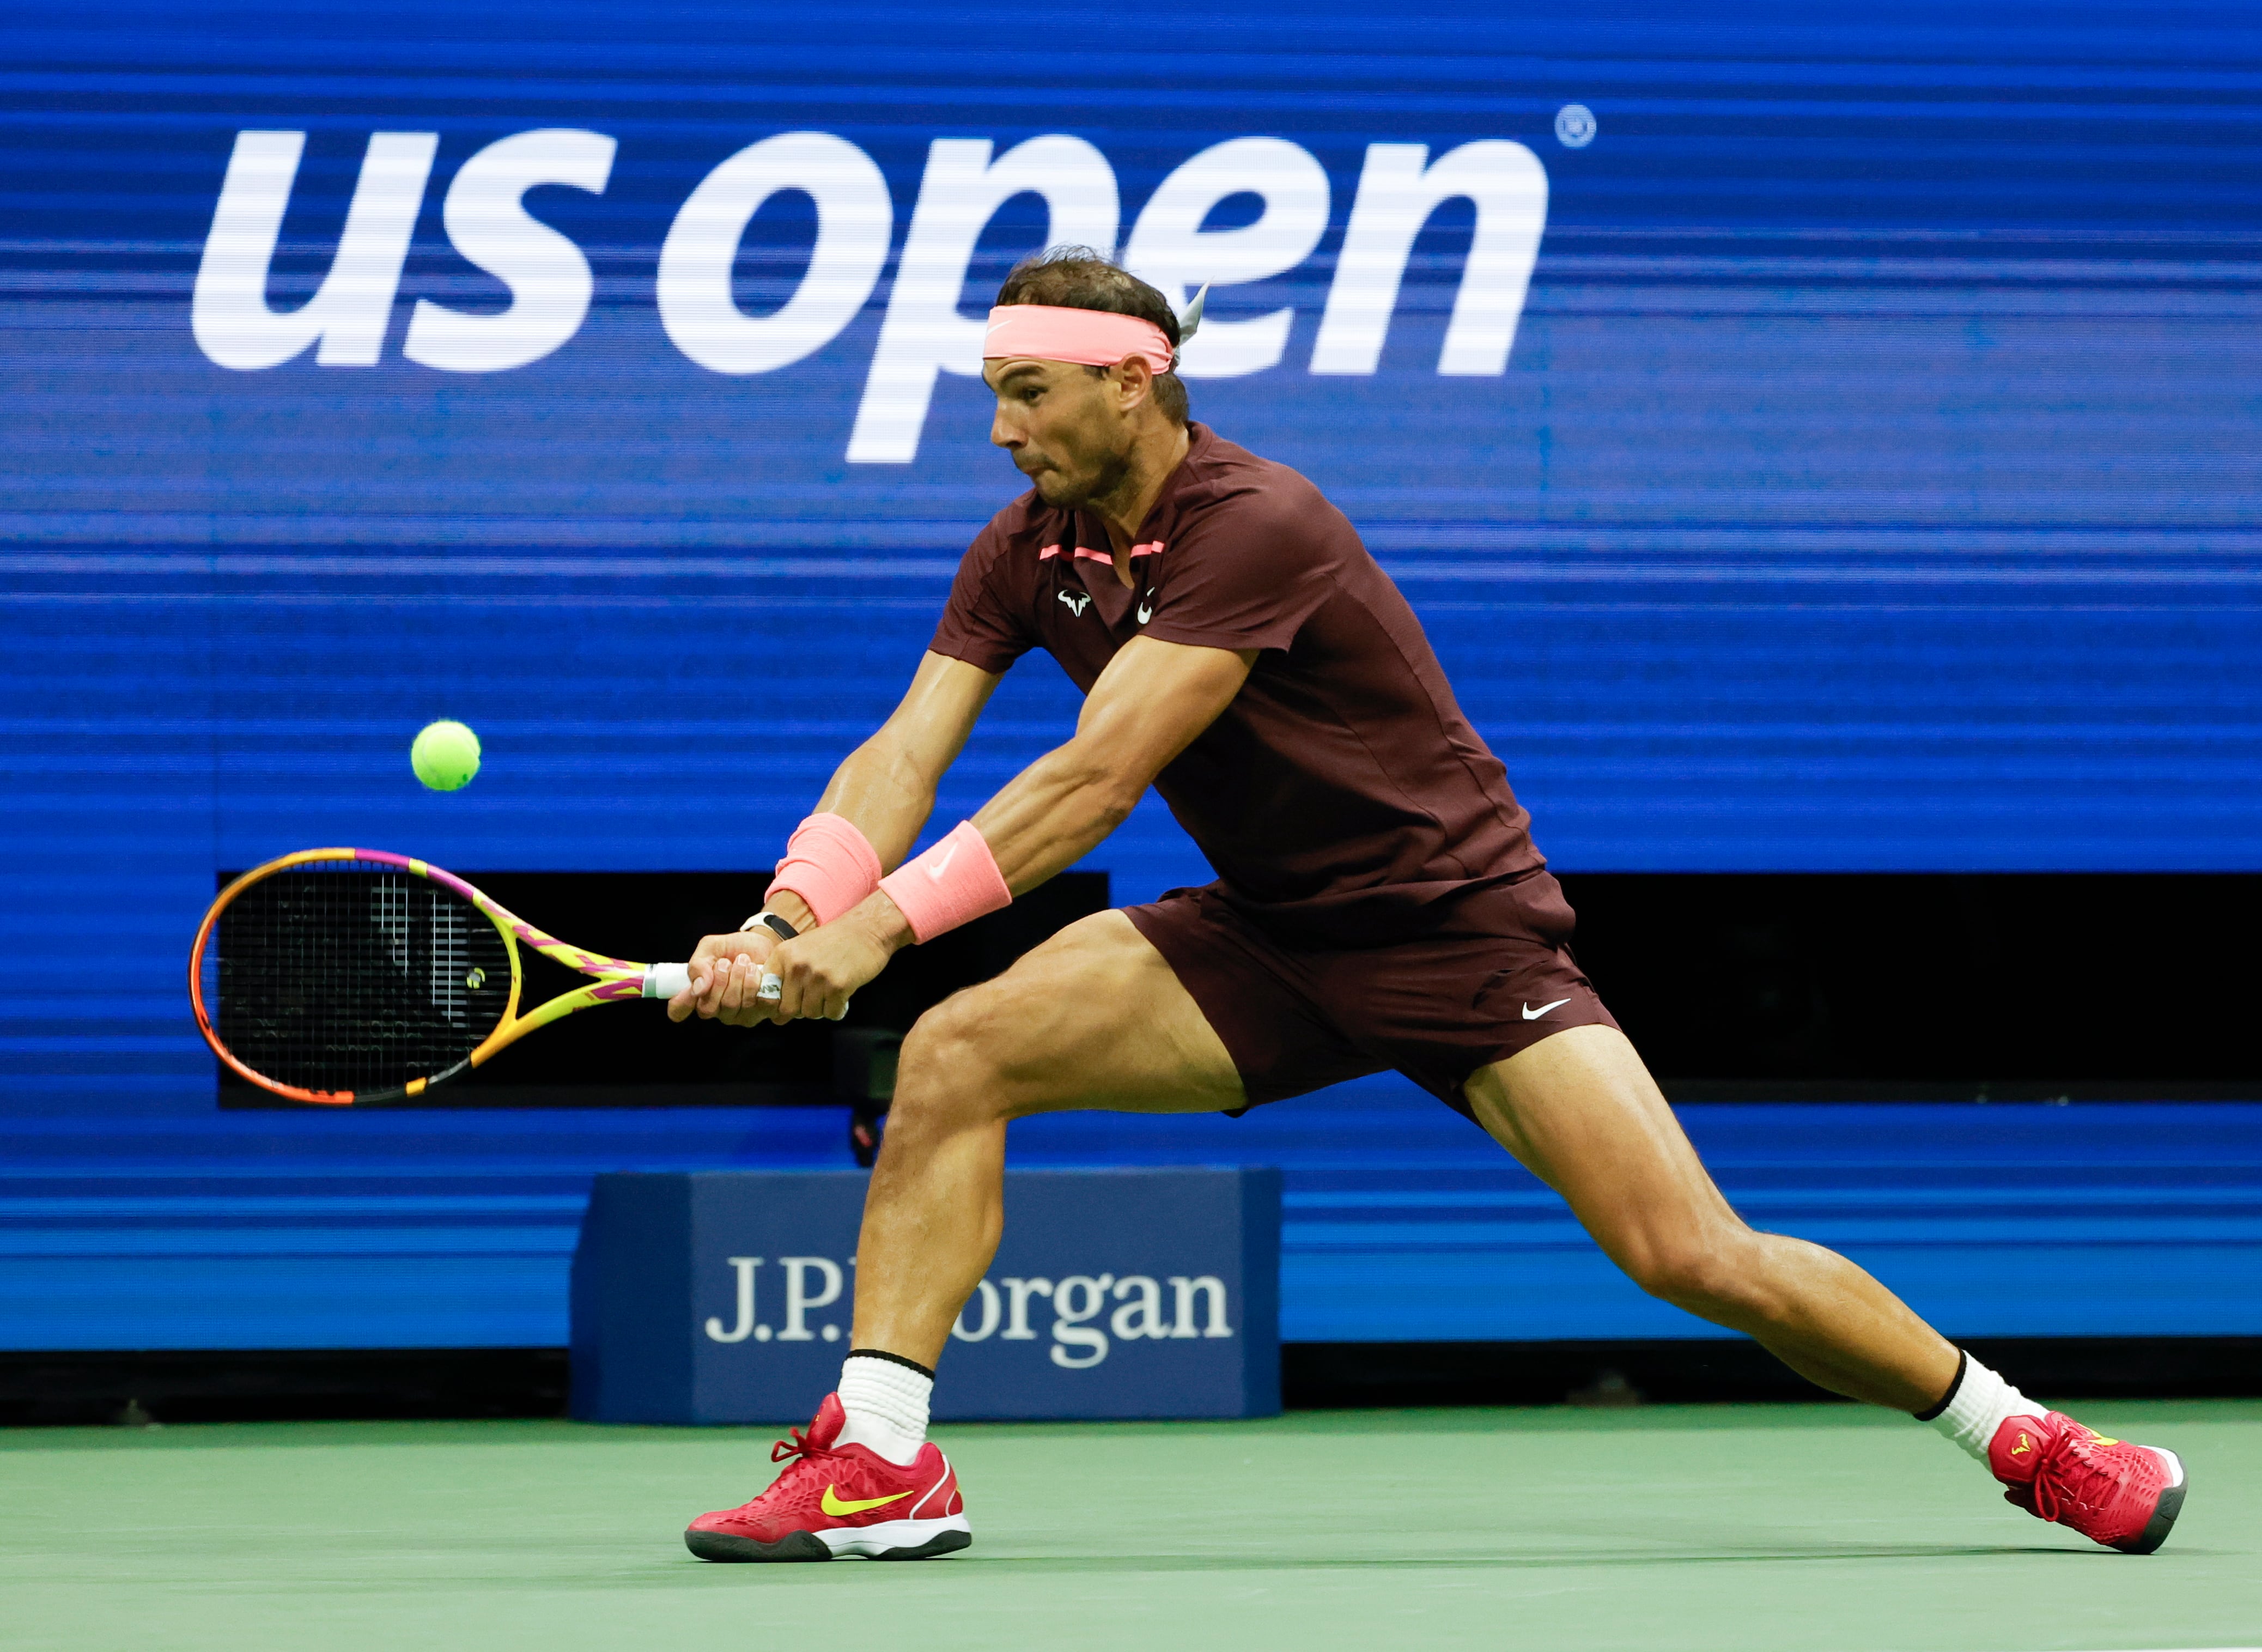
x: 1580, y: 1110
x: 1582, y: 1113
x: 1094, y: 1018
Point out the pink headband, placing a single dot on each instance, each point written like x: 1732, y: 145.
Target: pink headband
x: 1090, y: 338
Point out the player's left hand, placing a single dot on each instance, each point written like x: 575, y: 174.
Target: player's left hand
x: 818, y: 971
x: 726, y: 972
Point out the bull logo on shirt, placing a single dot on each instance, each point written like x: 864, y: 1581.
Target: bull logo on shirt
x: 1077, y: 600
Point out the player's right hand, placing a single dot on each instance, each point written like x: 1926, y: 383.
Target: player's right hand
x: 726, y: 975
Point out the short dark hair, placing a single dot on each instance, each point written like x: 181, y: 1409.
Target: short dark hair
x: 1082, y: 279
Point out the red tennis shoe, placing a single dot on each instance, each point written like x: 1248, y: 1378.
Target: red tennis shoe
x: 2124, y: 1496
x: 836, y: 1500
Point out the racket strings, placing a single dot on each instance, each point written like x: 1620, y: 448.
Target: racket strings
x: 355, y: 976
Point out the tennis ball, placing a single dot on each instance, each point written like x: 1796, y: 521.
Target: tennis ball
x: 445, y: 756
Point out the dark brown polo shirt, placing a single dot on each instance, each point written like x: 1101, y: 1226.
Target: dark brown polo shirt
x: 1343, y: 798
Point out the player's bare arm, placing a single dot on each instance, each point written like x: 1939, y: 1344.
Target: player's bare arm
x: 1152, y: 701
x: 886, y: 789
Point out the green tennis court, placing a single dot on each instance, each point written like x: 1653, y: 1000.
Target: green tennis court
x: 1751, y: 1529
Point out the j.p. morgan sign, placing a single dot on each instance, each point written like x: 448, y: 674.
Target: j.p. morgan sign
x: 725, y: 1297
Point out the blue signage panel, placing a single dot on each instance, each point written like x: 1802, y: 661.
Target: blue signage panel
x: 725, y: 1297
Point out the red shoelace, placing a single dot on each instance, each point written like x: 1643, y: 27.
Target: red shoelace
x: 799, y: 1446
x: 795, y: 1485
x: 2067, y: 1473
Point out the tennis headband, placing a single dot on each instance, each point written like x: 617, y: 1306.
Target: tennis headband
x: 1090, y: 338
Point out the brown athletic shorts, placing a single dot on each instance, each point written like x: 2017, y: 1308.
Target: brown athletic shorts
x: 1436, y: 1008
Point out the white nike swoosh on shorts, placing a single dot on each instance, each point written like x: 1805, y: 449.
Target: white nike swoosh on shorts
x: 1532, y: 1015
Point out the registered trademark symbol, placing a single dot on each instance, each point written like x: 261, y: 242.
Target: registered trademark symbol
x: 1574, y: 125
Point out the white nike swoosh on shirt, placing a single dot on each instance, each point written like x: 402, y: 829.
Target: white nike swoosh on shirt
x: 1532, y: 1015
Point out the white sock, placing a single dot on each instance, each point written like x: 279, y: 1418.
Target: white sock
x: 1977, y: 1406
x: 886, y: 1401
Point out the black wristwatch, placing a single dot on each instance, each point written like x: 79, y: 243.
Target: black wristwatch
x: 772, y: 922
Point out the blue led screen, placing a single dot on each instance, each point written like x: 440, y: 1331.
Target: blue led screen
x: 1816, y: 438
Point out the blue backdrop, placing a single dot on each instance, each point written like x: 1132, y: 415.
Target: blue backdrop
x: 1816, y: 438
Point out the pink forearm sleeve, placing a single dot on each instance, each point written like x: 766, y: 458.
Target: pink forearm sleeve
x: 830, y: 864
x: 954, y: 883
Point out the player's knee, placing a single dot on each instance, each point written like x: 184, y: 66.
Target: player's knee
x: 1706, y: 1273
x: 947, y: 1071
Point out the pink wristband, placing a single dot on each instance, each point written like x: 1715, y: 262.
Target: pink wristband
x: 830, y: 864
x: 954, y: 883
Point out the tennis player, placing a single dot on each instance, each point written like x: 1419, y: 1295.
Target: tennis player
x: 1379, y: 903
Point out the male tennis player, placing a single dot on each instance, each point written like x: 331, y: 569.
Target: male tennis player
x: 1379, y: 904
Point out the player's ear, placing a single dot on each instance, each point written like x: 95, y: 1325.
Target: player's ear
x: 1135, y: 384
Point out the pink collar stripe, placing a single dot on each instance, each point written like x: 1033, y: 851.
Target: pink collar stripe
x: 1090, y: 338
x: 1154, y: 549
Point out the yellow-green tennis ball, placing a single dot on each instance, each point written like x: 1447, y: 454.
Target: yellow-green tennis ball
x: 445, y: 756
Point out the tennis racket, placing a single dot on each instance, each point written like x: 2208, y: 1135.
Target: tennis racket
x: 353, y: 978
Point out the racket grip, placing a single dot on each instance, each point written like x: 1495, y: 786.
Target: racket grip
x: 666, y: 980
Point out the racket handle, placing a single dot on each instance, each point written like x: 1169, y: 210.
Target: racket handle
x: 666, y: 980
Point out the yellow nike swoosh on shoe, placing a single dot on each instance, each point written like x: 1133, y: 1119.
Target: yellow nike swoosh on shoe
x: 836, y: 1507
